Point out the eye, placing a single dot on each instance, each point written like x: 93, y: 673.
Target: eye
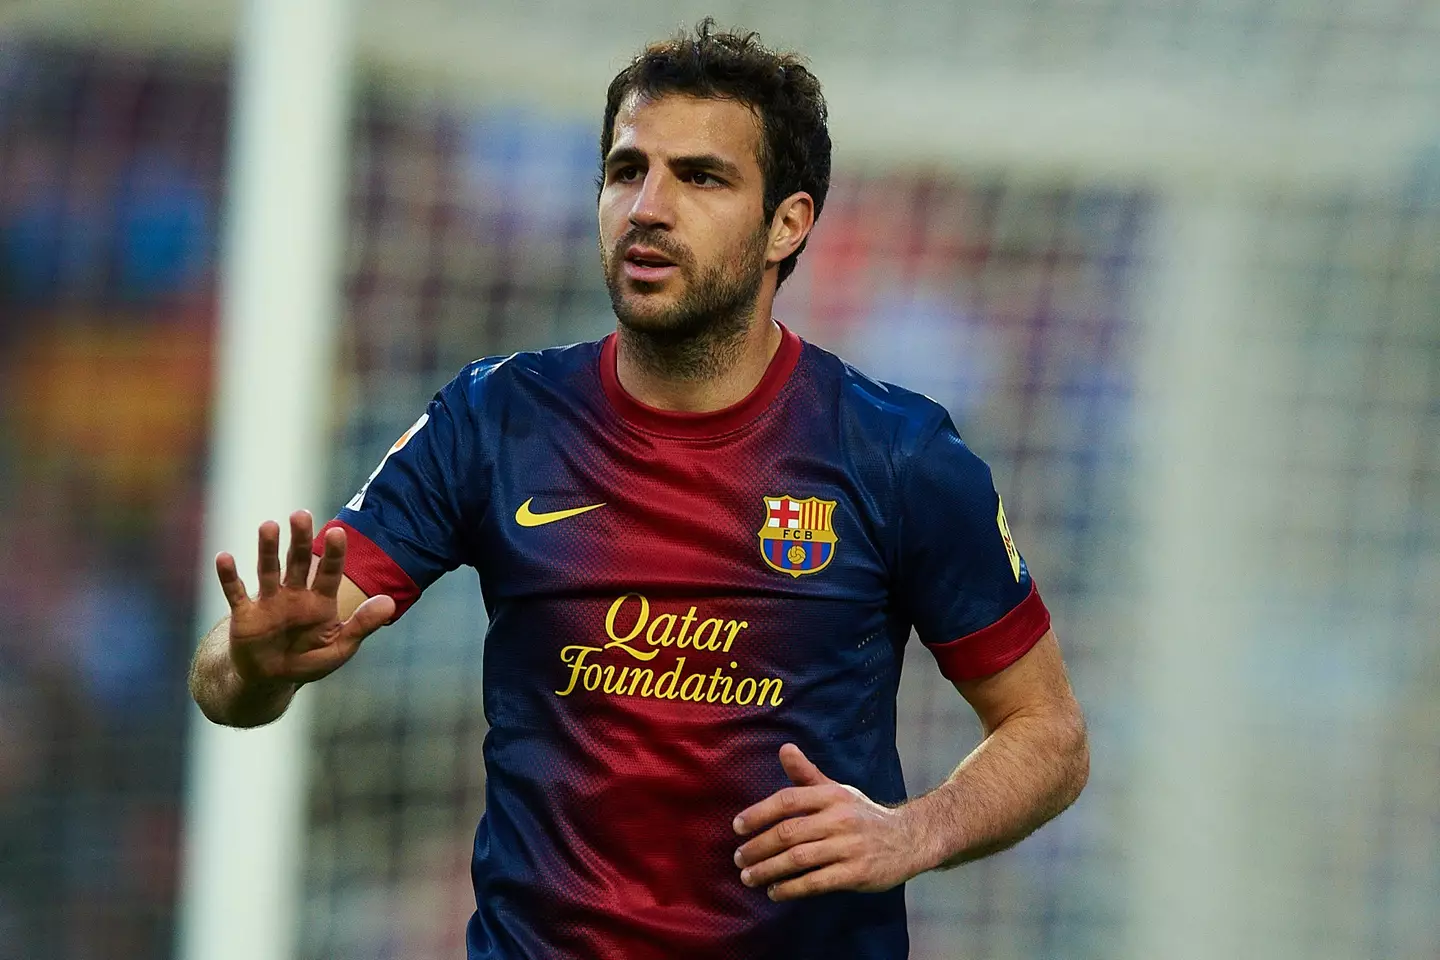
x: 702, y: 179
x: 626, y: 174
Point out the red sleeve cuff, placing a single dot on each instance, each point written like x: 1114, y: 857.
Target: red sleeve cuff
x: 993, y: 648
x: 371, y: 568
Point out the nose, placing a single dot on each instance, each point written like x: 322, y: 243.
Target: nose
x: 653, y: 206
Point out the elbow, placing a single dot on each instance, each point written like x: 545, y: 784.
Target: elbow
x: 209, y: 708
x: 213, y: 713
x: 203, y: 695
x: 1075, y: 748
x: 198, y: 692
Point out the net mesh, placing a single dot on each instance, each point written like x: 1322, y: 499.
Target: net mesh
x: 1015, y: 304
x: 1344, y: 781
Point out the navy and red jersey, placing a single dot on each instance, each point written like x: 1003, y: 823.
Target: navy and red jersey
x: 671, y: 597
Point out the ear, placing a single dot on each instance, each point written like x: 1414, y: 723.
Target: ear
x: 789, y: 227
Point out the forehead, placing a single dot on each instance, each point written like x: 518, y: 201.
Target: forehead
x: 682, y: 125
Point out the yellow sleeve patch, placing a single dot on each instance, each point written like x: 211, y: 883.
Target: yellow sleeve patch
x: 1009, y: 541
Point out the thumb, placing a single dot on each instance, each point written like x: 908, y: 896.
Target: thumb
x: 369, y: 617
x: 799, y: 769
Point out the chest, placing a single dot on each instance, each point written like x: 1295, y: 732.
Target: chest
x: 776, y: 513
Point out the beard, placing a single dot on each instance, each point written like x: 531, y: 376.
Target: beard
x: 698, y: 335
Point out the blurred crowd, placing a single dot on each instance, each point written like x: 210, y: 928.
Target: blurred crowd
x: 471, y: 233
x: 109, y: 179
x: 1019, y: 303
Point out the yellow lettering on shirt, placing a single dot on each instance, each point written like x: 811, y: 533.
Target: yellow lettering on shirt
x: 689, y: 678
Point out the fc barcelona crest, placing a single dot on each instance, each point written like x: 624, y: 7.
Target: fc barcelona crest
x: 798, y: 537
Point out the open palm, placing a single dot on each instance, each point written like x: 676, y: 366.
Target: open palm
x: 291, y: 632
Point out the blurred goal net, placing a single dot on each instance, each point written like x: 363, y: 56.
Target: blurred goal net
x: 1017, y: 303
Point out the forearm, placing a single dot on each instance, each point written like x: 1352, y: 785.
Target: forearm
x: 223, y: 696
x: 1025, y: 772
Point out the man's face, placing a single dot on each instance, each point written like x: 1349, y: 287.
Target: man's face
x: 682, y: 222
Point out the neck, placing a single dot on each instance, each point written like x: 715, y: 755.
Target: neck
x: 709, y: 371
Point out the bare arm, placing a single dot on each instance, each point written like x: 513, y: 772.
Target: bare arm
x: 1032, y: 764
x: 295, y: 630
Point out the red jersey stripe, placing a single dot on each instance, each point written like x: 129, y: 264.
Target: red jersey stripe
x: 991, y: 649
x: 370, y: 568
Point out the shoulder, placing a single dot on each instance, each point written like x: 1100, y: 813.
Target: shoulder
x: 876, y: 410
x: 496, y: 379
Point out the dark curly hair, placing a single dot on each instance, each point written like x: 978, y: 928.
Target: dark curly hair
x: 795, y: 152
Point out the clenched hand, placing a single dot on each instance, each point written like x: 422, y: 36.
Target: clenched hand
x: 820, y: 836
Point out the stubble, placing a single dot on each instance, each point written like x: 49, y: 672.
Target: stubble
x: 701, y: 335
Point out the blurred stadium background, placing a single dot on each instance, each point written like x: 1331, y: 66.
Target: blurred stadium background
x: 1174, y: 266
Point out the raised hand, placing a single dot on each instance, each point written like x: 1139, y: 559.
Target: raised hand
x: 291, y: 633
x: 824, y: 836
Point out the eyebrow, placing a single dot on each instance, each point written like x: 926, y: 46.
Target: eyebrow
x: 709, y: 162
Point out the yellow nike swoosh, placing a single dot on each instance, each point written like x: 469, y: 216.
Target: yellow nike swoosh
x: 525, y: 518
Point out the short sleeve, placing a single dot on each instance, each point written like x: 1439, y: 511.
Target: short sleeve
x: 963, y: 582
x: 406, y: 525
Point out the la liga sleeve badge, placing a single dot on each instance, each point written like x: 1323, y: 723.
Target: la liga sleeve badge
x: 798, y: 536
x: 1010, y: 550
x: 357, y: 502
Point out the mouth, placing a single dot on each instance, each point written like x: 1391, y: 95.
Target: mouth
x: 647, y: 265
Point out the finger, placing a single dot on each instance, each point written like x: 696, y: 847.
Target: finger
x: 782, y: 836
x: 368, y: 617
x: 230, y: 581
x: 297, y: 560
x: 788, y: 863
x: 790, y: 802
x: 332, y: 564
x: 317, y: 662
x: 837, y: 876
x: 799, y: 769
x: 268, y: 566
